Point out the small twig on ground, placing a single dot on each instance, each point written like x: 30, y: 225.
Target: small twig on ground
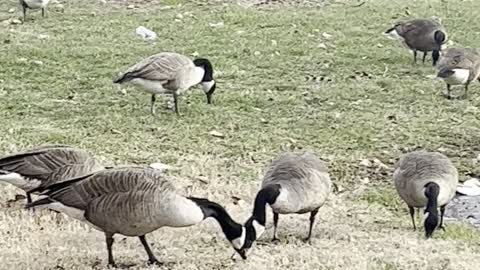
x: 385, y: 71
x: 353, y: 6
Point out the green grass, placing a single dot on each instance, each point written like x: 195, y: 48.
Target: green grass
x: 263, y: 104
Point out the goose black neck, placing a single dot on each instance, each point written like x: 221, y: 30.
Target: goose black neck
x: 207, y: 66
x: 266, y: 195
x: 431, y: 192
x: 230, y: 227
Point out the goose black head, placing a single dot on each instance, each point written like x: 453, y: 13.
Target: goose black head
x: 254, y: 229
x: 237, y: 240
x: 208, y: 83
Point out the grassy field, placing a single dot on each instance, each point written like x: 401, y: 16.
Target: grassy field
x: 288, y: 78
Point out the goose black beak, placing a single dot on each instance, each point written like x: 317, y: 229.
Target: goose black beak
x: 241, y: 252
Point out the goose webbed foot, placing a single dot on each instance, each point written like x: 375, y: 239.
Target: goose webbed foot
x: 156, y: 262
x: 308, y: 240
x: 275, y: 240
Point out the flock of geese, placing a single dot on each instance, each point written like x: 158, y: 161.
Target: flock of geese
x: 135, y: 200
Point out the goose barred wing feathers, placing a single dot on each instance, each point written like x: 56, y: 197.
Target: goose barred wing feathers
x: 159, y: 67
x: 305, y: 178
x: 292, y: 166
x: 83, y: 191
x: 51, y: 163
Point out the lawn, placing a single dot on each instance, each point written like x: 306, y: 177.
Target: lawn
x: 290, y: 78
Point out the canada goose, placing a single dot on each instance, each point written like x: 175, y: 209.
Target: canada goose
x: 33, y: 4
x: 173, y: 73
x: 459, y: 66
x: 420, y: 35
x: 426, y: 179
x: 134, y: 201
x: 37, y: 168
x: 295, y: 183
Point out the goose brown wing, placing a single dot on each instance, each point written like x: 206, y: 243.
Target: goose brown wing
x: 108, y: 182
x: 39, y: 163
x: 159, y: 67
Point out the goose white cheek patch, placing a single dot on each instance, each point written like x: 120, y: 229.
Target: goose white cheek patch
x: 259, y: 229
x: 239, y: 241
x: 425, y: 216
x: 207, y: 85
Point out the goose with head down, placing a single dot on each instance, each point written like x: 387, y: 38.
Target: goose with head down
x: 420, y: 35
x: 134, y: 201
x: 171, y: 73
x: 426, y: 180
x: 295, y: 183
x: 459, y: 66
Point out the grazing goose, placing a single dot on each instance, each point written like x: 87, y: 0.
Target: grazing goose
x: 134, y: 201
x: 173, y: 73
x: 295, y: 183
x: 33, y: 4
x: 426, y: 179
x: 420, y: 35
x: 459, y: 66
x: 40, y: 167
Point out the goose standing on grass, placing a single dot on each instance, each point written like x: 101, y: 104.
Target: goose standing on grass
x: 420, y: 35
x: 43, y: 166
x: 459, y: 66
x: 134, y: 201
x: 426, y: 179
x: 295, y: 183
x: 172, y: 73
x: 33, y: 4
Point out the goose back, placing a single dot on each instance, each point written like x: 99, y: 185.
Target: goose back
x: 45, y: 165
x: 414, y: 170
x: 419, y: 34
x: 174, y: 71
x: 131, y: 201
x: 305, y: 179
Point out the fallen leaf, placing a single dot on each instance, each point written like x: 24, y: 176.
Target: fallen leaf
x: 217, y: 134
x: 236, y: 199
x: 115, y: 131
x: 195, y: 54
x: 160, y: 166
x: 216, y: 25
x: 322, y: 46
x: 365, y: 163
x: 327, y: 36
